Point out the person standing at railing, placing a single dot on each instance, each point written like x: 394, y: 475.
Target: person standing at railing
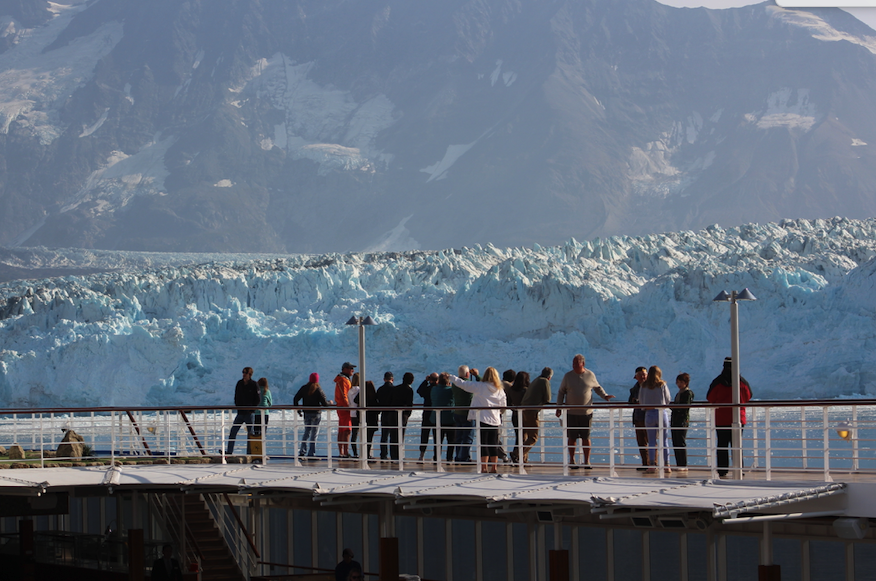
x: 265, y: 402
x: 246, y: 394
x: 639, y: 417
x: 427, y: 423
x: 515, y: 394
x: 312, y: 396
x: 442, y: 396
x: 486, y: 394
x: 355, y: 419
x: 463, y: 434
x: 680, y: 419
x: 576, y: 389
x: 538, y: 395
x: 655, y: 392
x: 388, y: 418
x: 721, y: 391
x: 342, y: 388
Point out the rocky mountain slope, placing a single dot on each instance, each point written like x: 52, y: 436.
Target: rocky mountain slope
x: 328, y: 125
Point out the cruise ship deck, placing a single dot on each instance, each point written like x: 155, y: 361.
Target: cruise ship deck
x: 800, y: 509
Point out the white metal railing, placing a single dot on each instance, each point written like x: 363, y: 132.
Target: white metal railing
x: 779, y: 437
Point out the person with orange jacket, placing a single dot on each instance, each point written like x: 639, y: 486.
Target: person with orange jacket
x: 342, y: 387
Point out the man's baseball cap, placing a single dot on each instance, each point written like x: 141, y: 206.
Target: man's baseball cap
x: 348, y: 365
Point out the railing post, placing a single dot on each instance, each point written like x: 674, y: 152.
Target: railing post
x: 222, y: 436
x: 477, y: 442
x: 803, y: 437
x: 439, y: 467
x: 855, y: 437
x: 112, y: 437
x: 660, y: 444
x: 400, y: 439
x: 826, y: 444
x: 565, y: 450
x: 42, y: 436
x: 264, y: 436
x: 711, y: 443
x: 328, y: 436
x: 752, y: 417
x: 768, y: 452
x: 611, y: 428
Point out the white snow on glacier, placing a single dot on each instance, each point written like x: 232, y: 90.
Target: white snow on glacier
x: 179, y: 334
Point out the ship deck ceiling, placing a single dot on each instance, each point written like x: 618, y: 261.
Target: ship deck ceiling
x: 420, y: 488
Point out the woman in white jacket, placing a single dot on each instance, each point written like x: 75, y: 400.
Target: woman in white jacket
x: 487, y: 394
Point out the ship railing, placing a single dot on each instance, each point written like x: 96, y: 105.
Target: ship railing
x: 816, y: 437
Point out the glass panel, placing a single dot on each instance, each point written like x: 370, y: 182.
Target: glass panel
x: 278, y: 540
x: 327, y: 539
x: 434, y: 548
x: 592, y: 549
x: 665, y: 555
x: 865, y: 562
x: 92, y: 505
x: 827, y: 560
x: 406, y: 531
x: 495, y: 551
x: 788, y: 554
x: 520, y: 543
x: 301, y: 540
x: 351, y: 533
x: 697, y: 557
x: 373, y: 544
x: 463, y: 550
x: 627, y: 554
x: 743, y: 557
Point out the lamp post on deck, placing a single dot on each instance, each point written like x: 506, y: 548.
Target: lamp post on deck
x: 736, y: 427
x: 361, y: 323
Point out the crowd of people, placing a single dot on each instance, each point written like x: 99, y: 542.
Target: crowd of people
x: 474, y: 402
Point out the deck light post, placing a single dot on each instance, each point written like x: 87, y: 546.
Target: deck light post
x: 736, y: 428
x: 361, y: 323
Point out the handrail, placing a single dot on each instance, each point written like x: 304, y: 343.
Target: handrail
x: 185, y: 418
x: 137, y: 429
x: 242, y: 526
x: 595, y: 404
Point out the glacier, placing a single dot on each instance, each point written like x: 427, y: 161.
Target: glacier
x: 156, y: 329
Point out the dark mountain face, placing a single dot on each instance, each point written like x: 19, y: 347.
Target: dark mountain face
x: 321, y: 125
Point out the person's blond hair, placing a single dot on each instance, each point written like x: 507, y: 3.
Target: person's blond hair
x: 491, y: 375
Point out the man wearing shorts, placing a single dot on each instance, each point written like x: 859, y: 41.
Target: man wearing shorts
x: 577, y: 389
x: 342, y: 387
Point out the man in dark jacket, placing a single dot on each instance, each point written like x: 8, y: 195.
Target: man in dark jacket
x: 639, y: 417
x: 428, y: 423
x: 536, y: 397
x: 246, y: 394
x: 721, y: 391
x: 388, y: 418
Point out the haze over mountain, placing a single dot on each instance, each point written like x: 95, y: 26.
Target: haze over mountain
x: 321, y: 125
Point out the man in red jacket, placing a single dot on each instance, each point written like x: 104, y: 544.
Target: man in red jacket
x: 721, y: 391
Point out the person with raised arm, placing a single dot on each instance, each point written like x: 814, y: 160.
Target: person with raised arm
x: 486, y: 394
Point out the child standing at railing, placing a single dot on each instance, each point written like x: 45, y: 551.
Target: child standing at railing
x: 680, y: 420
x: 266, y: 402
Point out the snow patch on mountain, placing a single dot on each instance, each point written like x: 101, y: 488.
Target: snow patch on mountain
x: 179, y: 334
x: 819, y: 29
x: 788, y: 108
x: 323, y: 124
x: 35, y: 82
x: 125, y: 176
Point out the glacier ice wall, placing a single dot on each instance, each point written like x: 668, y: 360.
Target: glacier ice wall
x: 180, y: 333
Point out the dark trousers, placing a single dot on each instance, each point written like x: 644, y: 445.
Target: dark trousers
x: 242, y: 417
x: 462, y: 438
x: 679, y: 442
x: 390, y: 435
x: 428, y: 428
x: 642, y: 439
x: 725, y: 439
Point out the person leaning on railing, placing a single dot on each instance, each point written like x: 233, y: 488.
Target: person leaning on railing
x: 312, y: 396
x: 537, y: 395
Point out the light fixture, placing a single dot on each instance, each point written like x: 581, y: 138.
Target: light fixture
x: 736, y: 427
